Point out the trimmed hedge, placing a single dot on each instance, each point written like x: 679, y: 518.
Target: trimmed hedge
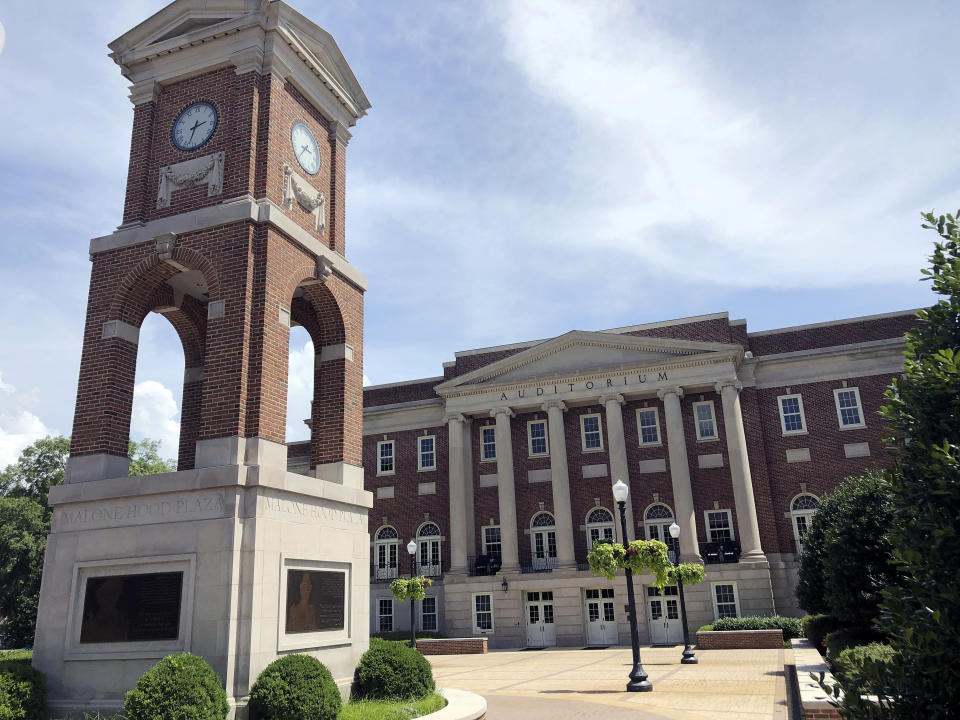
x: 848, y: 637
x: 392, y: 671
x: 705, y: 628
x: 23, y: 690
x: 790, y: 626
x: 816, y: 627
x: 858, y: 667
x: 404, y: 635
x: 295, y: 687
x: 179, y: 687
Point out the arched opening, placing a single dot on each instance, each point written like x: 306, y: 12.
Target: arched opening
x: 385, y: 553
x: 543, y: 541
x: 802, y: 509
x: 656, y: 525
x: 300, y: 378
x: 428, y: 547
x: 599, y: 526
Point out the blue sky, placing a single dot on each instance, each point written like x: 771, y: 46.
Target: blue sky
x: 527, y: 168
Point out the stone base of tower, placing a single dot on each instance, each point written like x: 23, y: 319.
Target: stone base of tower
x: 240, y: 545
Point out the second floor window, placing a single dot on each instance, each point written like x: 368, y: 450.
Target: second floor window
x: 427, y: 453
x: 385, y: 464
x: 791, y: 414
x: 590, y: 434
x: 537, y: 438
x: 719, y: 527
x: 488, y: 443
x: 648, y: 426
x: 848, y: 408
x: 706, y: 425
x: 491, y: 540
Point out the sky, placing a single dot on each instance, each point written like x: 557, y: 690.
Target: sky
x: 527, y: 168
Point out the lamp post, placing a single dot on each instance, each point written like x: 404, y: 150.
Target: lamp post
x: 689, y: 657
x: 638, y: 676
x: 412, y: 549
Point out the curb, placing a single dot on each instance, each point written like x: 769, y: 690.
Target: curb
x: 461, y: 705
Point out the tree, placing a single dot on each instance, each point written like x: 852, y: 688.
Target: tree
x: 23, y: 534
x: 145, y: 458
x: 921, y: 613
x: 845, y: 562
x: 39, y: 467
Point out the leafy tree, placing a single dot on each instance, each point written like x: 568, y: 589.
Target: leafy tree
x: 145, y: 458
x: 845, y: 561
x: 40, y: 467
x: 921, y: 613
x: 24, y: 525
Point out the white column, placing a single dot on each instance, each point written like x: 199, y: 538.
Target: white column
x: 750, y: 550
x: 560, y: 479
x: 617, y: 451
x: 680, y: 474
x: 457, y: 440
x: 506, y: 493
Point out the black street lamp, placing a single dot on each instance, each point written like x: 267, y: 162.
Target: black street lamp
x: 638, y: 676
x: 412, y: 549
x: 689, y: 657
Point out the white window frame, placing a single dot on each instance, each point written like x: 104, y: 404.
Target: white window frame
x: 706, y: 524
x: 435, y: 613
x: 483, y: 538
x: 393, y: 614
x: 546, y: 439
x: 736, y: 598
x: 836, y: 402
x: 783, y: 418
x: 473, y: 614
x: 656, y: 424
x: 583, y: 432
x: 420, y: 466
x: 713, y: 417
x: 393, y: 458
x: 492, y: 428
x: 385, y: 572
x: 794, y: 514
x: 600, y: 526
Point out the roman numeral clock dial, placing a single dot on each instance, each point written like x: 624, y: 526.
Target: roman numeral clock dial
x: 194, y: 125
x: 305, y: 148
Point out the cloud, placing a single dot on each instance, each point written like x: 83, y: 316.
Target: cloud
x: 156, y: 416
x: 299, y: 384
x: 6, y: 387
x: 18, y: 430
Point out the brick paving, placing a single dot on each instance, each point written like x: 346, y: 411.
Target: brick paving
x: 565, y: 683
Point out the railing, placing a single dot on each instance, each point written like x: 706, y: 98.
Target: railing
x: 720, y: 552
x: 429, y: 570
x: 483, y: 565
x: 385, y: 574
x: 531, y: 563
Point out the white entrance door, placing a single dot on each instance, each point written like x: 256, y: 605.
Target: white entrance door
x: 541, y: 630
x: 429, y: 558
x: 544, y: 549
x: 663, y: 615
x: 601, y: 617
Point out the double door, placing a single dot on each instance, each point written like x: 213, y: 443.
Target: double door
x: 663, y: 615
x: 541, y: 630
x: 429, y: 557
x: 544, y: 549
x: 601, y: 616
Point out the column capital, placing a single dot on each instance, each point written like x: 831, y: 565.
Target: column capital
x: 455, y: 417
x: 663, y: 392
x: 502, y: 410
x: 612, y: 397
x: 735, y: 384
x: 554, y: 404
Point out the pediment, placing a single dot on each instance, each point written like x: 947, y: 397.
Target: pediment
x: 183, y: 21
x: 582, y: 353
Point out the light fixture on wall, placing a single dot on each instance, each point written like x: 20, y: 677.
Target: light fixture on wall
x: 504, y: 586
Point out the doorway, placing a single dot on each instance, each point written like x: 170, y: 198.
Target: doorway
x: 601, y: 616
x: 541, y: 630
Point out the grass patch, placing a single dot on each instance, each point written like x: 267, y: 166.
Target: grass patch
x: 391, y: 710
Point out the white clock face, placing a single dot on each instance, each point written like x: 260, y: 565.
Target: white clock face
x: 194, y: 125
x: 305, y: 148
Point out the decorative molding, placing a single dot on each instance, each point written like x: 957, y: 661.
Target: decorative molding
x: 248, y: 59
x: 164, y: 245
x: 339, y: 133
x: 612, y: 397
x: 554, y: 403
x: 502, y: 409
x: 120, y: 329
x: 663, y: 392
x: 144, y: 92
x: 206, y: 169
x: 735, y: 384
x: 341, y: 351
x: 215, y: 309
x: 455, y: 417
x: 295, y: 187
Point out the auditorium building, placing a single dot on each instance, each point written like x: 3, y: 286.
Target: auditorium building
x: 500, y: 470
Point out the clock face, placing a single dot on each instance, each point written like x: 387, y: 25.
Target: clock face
x: 305, y: 148
x: 194, y: 125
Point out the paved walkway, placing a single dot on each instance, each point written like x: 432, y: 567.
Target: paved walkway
x: 557, y: 684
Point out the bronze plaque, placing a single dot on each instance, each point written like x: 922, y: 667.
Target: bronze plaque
x: 315, y: 600
x: 132, y: 608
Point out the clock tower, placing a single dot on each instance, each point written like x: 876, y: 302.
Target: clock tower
x: 233, y: 230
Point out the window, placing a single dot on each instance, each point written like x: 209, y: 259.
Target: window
x: 599, y: 526
x: 385, y: 614
x: 537, y: 438
x: 427, y: 453
x: 483, y: 613
x: 591, y: 437
x: 725, y: 602
x: 706, y: 425
x: 428, y: 614
x: 802, y: 510
x: 491, y: 541
x: 543, y: 541
x: 719, y: 525
x: 385, y: 464
x: 848, y: 408
x: 428, y: 540
x: 791, y: 415
x: 488, y: 443
x: 385, y: 553
x: 656, y: 522
x: 648, y: 425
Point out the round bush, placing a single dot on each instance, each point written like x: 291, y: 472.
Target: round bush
x: 859, y: 668
x: 23, y: 690
x: 295, y: 687
x: 179, y: 687
x: 816, y: 627
x: 393, y: 671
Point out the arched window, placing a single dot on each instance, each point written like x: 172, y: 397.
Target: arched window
x: 599, y: 526
x: 543, y: 541
x: 656, y: 524
x: 385, y: 553
x: 428, y: 541
x: 802, y: 510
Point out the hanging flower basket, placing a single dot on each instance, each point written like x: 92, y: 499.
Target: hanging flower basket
x: 642, y: 556
x: 412, y: 589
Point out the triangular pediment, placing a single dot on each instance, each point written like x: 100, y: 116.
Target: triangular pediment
x: 582, y: 353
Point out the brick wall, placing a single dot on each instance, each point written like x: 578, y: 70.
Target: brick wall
x: 740, y: 640
x: 453, y: 646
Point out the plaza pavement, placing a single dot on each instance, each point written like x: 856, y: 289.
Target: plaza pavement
x: 562, y: 683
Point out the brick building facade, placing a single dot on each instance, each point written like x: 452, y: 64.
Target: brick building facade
x: 511, y: 454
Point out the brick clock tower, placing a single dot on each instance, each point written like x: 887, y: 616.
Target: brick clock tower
x: 233, y: 229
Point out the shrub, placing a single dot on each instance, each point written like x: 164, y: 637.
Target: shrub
x: 179, y: 687
x: 848, y: 637
x: 404, y: 635
x: 705, y: 628
x: 858, y: 667
x: 390, y: 670
x: 295, y: 687
x: 790, y: 626
x: 23, y: 690
x: 816, y: 627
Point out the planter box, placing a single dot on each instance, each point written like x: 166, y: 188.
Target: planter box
x: 816, y: 704
x: 453, y: 646
x: 740, y: 640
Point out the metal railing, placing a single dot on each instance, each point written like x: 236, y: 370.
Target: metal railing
x: 720, y: 552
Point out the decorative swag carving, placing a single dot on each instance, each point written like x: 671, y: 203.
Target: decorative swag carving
x: 207, y: 169
x: 309, y: 198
